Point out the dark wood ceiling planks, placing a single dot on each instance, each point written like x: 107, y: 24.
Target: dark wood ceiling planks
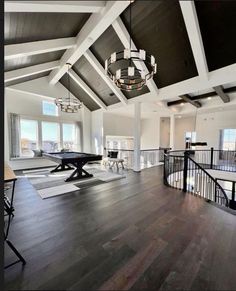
x: 27, y: 27
x: 79, y: 93
x: 217, y: 21
x: 22, y: 62
x: 158, y: 27
x: 83, y: 68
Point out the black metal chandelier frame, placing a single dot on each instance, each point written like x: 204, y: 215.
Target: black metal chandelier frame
x: 130, y: 78
x: 68, y: 104
x: 137, y: 78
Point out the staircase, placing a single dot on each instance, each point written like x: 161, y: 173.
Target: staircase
x: 187, y: 171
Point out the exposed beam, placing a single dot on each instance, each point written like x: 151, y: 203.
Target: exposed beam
x: 54, y: 6
x: 93, y: 28
x: 101, y: 71
x: 28, y: 71
x: 124, y: 36
x: 188, y: 99
x: 201, y: 96
x: 37, y: 47
x: 217, y: 77
x: 195, y: 37
x: 87, y: 89
x: 220, y: 92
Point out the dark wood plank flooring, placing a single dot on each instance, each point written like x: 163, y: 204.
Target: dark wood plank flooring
x: 133, y: 233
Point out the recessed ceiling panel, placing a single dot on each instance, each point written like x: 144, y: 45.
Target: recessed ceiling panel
x: 217, y: 20
x: 107, y: 44
x: 26, y: 27
x: 27, y: 61
x: 83, y: 68
x: 28, y: 78
x: 79, y: 93
x: 159, y: 28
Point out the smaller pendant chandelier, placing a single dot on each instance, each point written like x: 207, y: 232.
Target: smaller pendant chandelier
x: 68, y: 104
x: 130, y: 78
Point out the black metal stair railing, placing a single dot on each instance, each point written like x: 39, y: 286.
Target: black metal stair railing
x: 182, y: 172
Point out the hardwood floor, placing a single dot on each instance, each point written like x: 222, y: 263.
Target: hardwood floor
x: 133, y: 233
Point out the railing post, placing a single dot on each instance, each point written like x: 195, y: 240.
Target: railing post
x: 185, y: 173
x: 165, y: 175
x: 212, y: 153
x: 232, y: 202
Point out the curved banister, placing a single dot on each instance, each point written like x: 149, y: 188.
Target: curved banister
x: 215, y: 181
x: 184, y: 173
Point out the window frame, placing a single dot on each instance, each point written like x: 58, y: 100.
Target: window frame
x: 37, y: 133
x: 39, y: 141
x: 49, y: 102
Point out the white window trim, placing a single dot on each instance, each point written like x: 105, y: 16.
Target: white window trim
x: 51, y: 102
x: 53, y: 119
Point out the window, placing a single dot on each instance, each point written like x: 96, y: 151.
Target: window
x: 228, y: 139
x: 50, y: 136
x: 28, y: 137
x: 69, y: 136
x: 50, y: 108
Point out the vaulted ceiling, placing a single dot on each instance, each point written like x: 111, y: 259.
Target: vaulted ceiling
x: 160, y: 27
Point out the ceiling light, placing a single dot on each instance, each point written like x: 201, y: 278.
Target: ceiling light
x: 121, y: 69
x: 68, y: 104
x: 209, y: 98
x: 182, y: 104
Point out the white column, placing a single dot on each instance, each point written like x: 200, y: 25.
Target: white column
x: 172, y: 131
x: 137, y: 136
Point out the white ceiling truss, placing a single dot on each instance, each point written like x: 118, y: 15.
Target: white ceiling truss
x: 105, y: 14
x: 101, y: 71
x: 38, y: 47
x: 195, y: 37
x: 54, y: 6
x: 90, y: 32
x: 28, y: 71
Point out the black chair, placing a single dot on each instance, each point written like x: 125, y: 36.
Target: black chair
x: 113, y: 155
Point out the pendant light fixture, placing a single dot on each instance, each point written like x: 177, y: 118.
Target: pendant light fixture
x: 69, y: 104
x: 127, y: 77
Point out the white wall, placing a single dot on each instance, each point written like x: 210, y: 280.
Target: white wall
x: 165, y: 132
x: 117, y: 125
x: 209, y: 124
x: 150, y: 131
x: 86, y: 129
x: 97, y: 132
x: 183, y: 125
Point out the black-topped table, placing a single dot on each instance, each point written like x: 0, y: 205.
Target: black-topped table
x: 76, y: 159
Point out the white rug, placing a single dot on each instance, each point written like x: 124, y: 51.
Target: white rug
x: 58, y: 190
x: 49, y: 184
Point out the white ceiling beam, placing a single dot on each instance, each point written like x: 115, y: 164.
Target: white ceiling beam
x: 87, y: 89
x: 216, y: 78
x: 124, y: 36
x: 101, y: 71
x: 37, y: 47
x: 54, y: 6
x: 93, y: 28
x: 195, y: 37
x: 28, y: 71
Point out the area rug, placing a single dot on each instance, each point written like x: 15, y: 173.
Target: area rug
x: 49, y: 184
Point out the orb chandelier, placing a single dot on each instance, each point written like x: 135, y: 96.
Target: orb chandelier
x: 68, y: 104
x: 128, y: 77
